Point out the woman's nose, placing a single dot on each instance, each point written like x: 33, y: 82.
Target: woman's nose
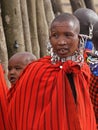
x: 62, y: 42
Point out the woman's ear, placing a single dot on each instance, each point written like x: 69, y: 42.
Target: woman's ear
x: 81, y: 42
x: 79, y: 36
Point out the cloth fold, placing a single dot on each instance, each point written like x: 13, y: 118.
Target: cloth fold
x: 43, y: 98
x: 3, y: 102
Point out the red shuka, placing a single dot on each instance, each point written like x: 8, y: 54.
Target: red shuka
x: 43, y: 98
x: 94, y: 95
x: 3, y: 102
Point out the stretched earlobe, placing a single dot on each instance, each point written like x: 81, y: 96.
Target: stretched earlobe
x: 90, y: 31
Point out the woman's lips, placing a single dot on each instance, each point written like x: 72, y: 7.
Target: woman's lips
x: 63, y: 51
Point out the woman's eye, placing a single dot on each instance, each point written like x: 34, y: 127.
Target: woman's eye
x: 69, y: 34
x: 55, y: 35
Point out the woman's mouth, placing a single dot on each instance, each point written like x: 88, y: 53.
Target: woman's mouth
x: 63, y: 51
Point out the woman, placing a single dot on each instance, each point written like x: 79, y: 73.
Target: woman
x: 52, y: 93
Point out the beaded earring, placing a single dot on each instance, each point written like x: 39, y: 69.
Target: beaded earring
x: 90, y: 31
x: 54, y: 56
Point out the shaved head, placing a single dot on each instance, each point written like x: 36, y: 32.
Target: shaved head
x: 86, y: 17
x: 67, y: 17
x: 17, y: 64
x: 26, y: 57
x: 95, y: 36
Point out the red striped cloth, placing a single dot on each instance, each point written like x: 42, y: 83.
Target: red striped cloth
x: 3, y: 102
x: 43, y: 98
x: 94, y: 95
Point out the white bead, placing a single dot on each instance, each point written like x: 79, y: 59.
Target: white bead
x: 61, y: 67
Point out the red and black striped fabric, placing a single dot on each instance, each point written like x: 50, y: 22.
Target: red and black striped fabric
x: 43, y: 98
x: 94, y: 94
x: 3, y: 102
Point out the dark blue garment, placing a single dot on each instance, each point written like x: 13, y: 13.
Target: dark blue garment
x: 93, y: 63
x: 89, y: 45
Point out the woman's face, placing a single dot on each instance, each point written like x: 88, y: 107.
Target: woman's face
x: 64, y: 38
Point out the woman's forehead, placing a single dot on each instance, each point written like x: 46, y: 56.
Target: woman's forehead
x: 62, y: 24
x: 68, y: 25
